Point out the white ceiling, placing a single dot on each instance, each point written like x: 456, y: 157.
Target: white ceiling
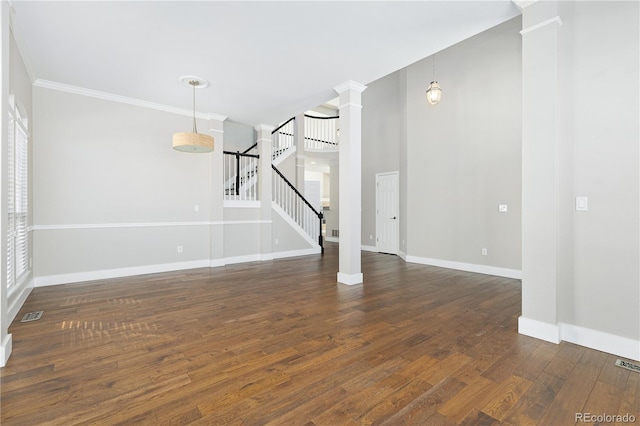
x: 266, y: 61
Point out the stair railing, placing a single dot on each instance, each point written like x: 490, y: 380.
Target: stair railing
x: 321, y: 133
x: 241, y: 176
x: 283, y: 137
x: 297, y: 207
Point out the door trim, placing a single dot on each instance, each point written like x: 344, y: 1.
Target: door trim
x: 397, y: 206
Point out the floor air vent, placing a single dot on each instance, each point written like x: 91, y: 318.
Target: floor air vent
x: 628, y: 365
x: 32, y: 316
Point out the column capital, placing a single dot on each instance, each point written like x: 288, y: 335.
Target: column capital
x: 350, y: 85
x: 522, y: 4
x: 264, y: 127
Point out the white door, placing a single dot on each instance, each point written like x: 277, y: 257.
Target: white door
x: 387, y: 217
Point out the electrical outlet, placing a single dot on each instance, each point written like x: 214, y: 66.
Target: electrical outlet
x: 196, y: 208
x: 180, y: 249
x: 503, y: 208
x: 277, y: 241
x: 371, y: 237
x: 484, y: 251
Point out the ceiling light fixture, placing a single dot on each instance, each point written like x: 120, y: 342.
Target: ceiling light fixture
x: 434, y: 92
x: 193, y: 141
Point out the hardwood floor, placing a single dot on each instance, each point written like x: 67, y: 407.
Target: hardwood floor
x: 281, y: 343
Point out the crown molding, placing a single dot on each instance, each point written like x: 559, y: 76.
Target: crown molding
x: 53, y: 85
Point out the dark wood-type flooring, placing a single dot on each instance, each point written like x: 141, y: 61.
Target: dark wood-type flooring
x: 281, y: 343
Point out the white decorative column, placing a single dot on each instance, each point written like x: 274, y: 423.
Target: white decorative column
x: 216, y: 192
x: 5, y: 337
x: 265, y: 183
x: 350, y: 158
x: 541, y: 178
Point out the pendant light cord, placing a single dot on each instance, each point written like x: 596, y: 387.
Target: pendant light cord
x: 194, y: 84
x: 434, y: 67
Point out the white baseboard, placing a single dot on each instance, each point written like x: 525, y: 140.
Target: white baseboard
x: 468, y: 267
x: 605, y: 342
x: 332, y: 239
x: 116, y: 273
x: 242, y: 259
x: 593, y: 339
x: 216, y: 263
x: 402, y: 255
x: 369, y: 248
x: 5, y: 350
x: 350, y: 279
x: 17, y: 300
x: 150, y: 269
x: 539, y: 330
x: 295, y: 253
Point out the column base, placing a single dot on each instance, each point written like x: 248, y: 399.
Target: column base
x: 350, y: 279
x: 5, y: 350
x: 539, y: 330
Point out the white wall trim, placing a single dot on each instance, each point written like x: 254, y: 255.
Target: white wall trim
x: 244, y: 204
x: 247, y: 222
x: 369, y: 248
x: 53, y: 85
x: 539, y: 330
x: 5, y: 350
x: 117, y: 273
x: 121, y: 225
x: 242, y: 259
x: 350, y: 279
x: 296, y: 253
x: 555, y: 19
x: 17, y: 299
x: 144, y: 225
x: 332, y: 239
x: 402, y: 255
x: 601, y: 341
x: 216, y: 263
x: 468, y: 267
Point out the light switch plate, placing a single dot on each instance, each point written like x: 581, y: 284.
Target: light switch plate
x: 582, y: 204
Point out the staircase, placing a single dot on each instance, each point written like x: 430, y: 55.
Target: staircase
x: 241, y: 174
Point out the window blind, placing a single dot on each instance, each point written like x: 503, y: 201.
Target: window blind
x: 18, y: 200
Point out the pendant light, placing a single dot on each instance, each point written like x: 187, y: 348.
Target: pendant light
x: 434, y: 92
x: 193, y: 141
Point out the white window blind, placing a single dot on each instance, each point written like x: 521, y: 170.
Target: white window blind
x: 17, y: 199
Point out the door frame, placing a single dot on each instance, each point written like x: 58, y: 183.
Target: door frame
x: 397, y: 205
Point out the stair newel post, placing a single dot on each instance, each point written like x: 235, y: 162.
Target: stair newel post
x: 237, y: 172
x: 320, y: 241
x: 265, y: 188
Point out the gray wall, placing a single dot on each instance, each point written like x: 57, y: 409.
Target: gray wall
x: 381, y: 121
x: 458, y: 160
x: 111, y: 194
x: 601, y: 290
x: 98, y: 162
x: 238, y: 136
